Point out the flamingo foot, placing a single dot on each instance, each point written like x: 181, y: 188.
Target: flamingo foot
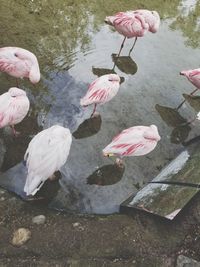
x: 95, y: 114
x: 33, y: 198
x: 53, y: 177
x: 119, y: 163
x: 15, y: 133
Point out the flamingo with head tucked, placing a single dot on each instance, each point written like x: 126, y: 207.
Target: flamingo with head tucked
x: 14, y: 106
x: 19, y: 63
x: 46, y: 153
x: 102, y: 90
x: 134, y: 141
x: 134, y: 24
x: 194, y: 77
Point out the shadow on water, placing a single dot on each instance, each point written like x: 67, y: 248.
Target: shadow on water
x: 101, y: 71
x: 88, y: 128
x: 173, y: 119
x: 125, y: 64
x: 193, y: 101
x: 106, y: 175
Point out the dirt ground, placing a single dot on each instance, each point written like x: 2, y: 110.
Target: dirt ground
x: 96, y: 241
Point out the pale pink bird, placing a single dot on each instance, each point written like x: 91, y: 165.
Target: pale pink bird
x: 14, y: 106
x: 129, y: 25
x: 194, y: 77
x: 19, y: 63
x: 152, y: 18
x: 102, y: 90
x: 134, y: 141
x: 46, y: 153
x: 134, y: 24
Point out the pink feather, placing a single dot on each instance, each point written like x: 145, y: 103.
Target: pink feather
x: 134, y: 141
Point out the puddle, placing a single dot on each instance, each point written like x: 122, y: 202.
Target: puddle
x: 73, y: 47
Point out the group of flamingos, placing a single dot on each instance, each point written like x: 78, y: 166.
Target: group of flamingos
x: 49, y: 149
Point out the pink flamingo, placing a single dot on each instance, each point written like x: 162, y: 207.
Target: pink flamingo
x: 134, y: 141
x: 102, y: 90
x: 134, y: 24
x: 19, y: 63
x: 152, y: 18
x: 14, y: 106
x: 46, y: 153
x: 194, y: 77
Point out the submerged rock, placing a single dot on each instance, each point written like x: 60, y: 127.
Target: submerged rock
x: 21, y: 236
x: 40, y: 219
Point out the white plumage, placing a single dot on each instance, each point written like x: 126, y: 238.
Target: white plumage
x: 47, y: 152
x: 14, y: 106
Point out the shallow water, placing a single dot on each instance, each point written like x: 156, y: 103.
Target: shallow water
x: 74, y: 46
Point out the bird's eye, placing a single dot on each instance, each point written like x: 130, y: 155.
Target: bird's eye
x: 16, y: 55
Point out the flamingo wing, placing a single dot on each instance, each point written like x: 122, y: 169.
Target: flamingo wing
x: 12, y: 109
x: 100, y: 91
x: 130, y: 24
x: 129, y: 142
x: 46, y: 153
x: 8, y: 60
x: 195, y: 74
x: 7, y: 109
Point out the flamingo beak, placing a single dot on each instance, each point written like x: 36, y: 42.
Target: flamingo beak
x: 108, y: 155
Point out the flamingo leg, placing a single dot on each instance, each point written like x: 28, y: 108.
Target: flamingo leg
x: 17, y: 83
x: 132, y: 46
x: 194, y: 91
x: 15, y: 133
x: 122, y: 45
x: 95, y: 106
x: 119, y: 162
x: 185, y: 100
x: 180, y: 104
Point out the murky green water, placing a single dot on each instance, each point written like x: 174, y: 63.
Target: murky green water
x: 73, y: 45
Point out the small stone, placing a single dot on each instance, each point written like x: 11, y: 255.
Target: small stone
x: 21, y: 236
x: 78, y: 226
x: 2, y: 198
x: 40, y: 219
x: 183, y: 261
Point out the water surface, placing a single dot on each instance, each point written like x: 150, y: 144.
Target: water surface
x: 74, y: 46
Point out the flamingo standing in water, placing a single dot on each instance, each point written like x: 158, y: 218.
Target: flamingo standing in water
x: 134, y: 24
x: 47, y: 153
x: 102, y: 90
x: 14, y: 106
x: 19, y: 63
x: 134, y: 141
x: 194, y: 77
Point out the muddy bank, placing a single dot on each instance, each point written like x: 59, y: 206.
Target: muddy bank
x: 115, y: 240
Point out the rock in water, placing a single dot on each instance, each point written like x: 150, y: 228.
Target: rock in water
x: 21, y: 236
x: 40, y: 219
